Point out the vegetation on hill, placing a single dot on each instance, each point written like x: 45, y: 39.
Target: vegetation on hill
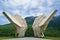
x: 53, y: 29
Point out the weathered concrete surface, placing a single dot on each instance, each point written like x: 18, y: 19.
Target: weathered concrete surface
x: 40, y: 24
x: 27, y: 38
x: 18, y: 23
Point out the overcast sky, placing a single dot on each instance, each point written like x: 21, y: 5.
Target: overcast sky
x: 27, y: 8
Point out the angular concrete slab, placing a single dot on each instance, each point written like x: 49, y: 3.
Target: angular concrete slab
x: 40, y: 24
x: 18, y: 23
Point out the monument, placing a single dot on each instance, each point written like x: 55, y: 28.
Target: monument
x: 19, y: 24
x: 40, y: 24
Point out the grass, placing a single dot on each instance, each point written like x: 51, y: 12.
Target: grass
x: 8, y: 30
x: 53, y: 38
x: 1, y: 38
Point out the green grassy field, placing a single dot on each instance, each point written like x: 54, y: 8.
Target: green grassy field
x: 8, y: 32
x: 1, y: 38
x: 52, y: 38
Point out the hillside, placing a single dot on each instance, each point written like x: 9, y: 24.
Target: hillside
x: 53, y: 28
x: 54, y: 22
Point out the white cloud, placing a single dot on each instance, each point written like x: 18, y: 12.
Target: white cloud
x: 15, y: 3
x: 15, y: 12
x: 1, y: 13
x: 34, y: 3
x: 27, y: 4
x: 50, y: 2
x: 3, y: 21
x: 28, y: 7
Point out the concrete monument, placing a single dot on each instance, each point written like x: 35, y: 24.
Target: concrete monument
x: 40, y: 24
x: 19, y: 24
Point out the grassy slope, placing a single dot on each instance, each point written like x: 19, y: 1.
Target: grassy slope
x: 47, y: 37
x: 7, y: 31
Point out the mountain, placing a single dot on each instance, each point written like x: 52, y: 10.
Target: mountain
x: 52, y: 30
x: 30, y: 20
x: 54, y: 22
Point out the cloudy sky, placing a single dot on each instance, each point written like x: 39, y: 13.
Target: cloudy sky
x: 27, y: 8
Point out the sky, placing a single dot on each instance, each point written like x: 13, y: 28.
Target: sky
x: 27, y: 8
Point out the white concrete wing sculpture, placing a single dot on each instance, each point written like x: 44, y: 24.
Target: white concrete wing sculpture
x: 40, y: 24
x: 19, y: 24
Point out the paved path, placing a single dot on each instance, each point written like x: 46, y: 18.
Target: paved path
x: 27, y: 38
